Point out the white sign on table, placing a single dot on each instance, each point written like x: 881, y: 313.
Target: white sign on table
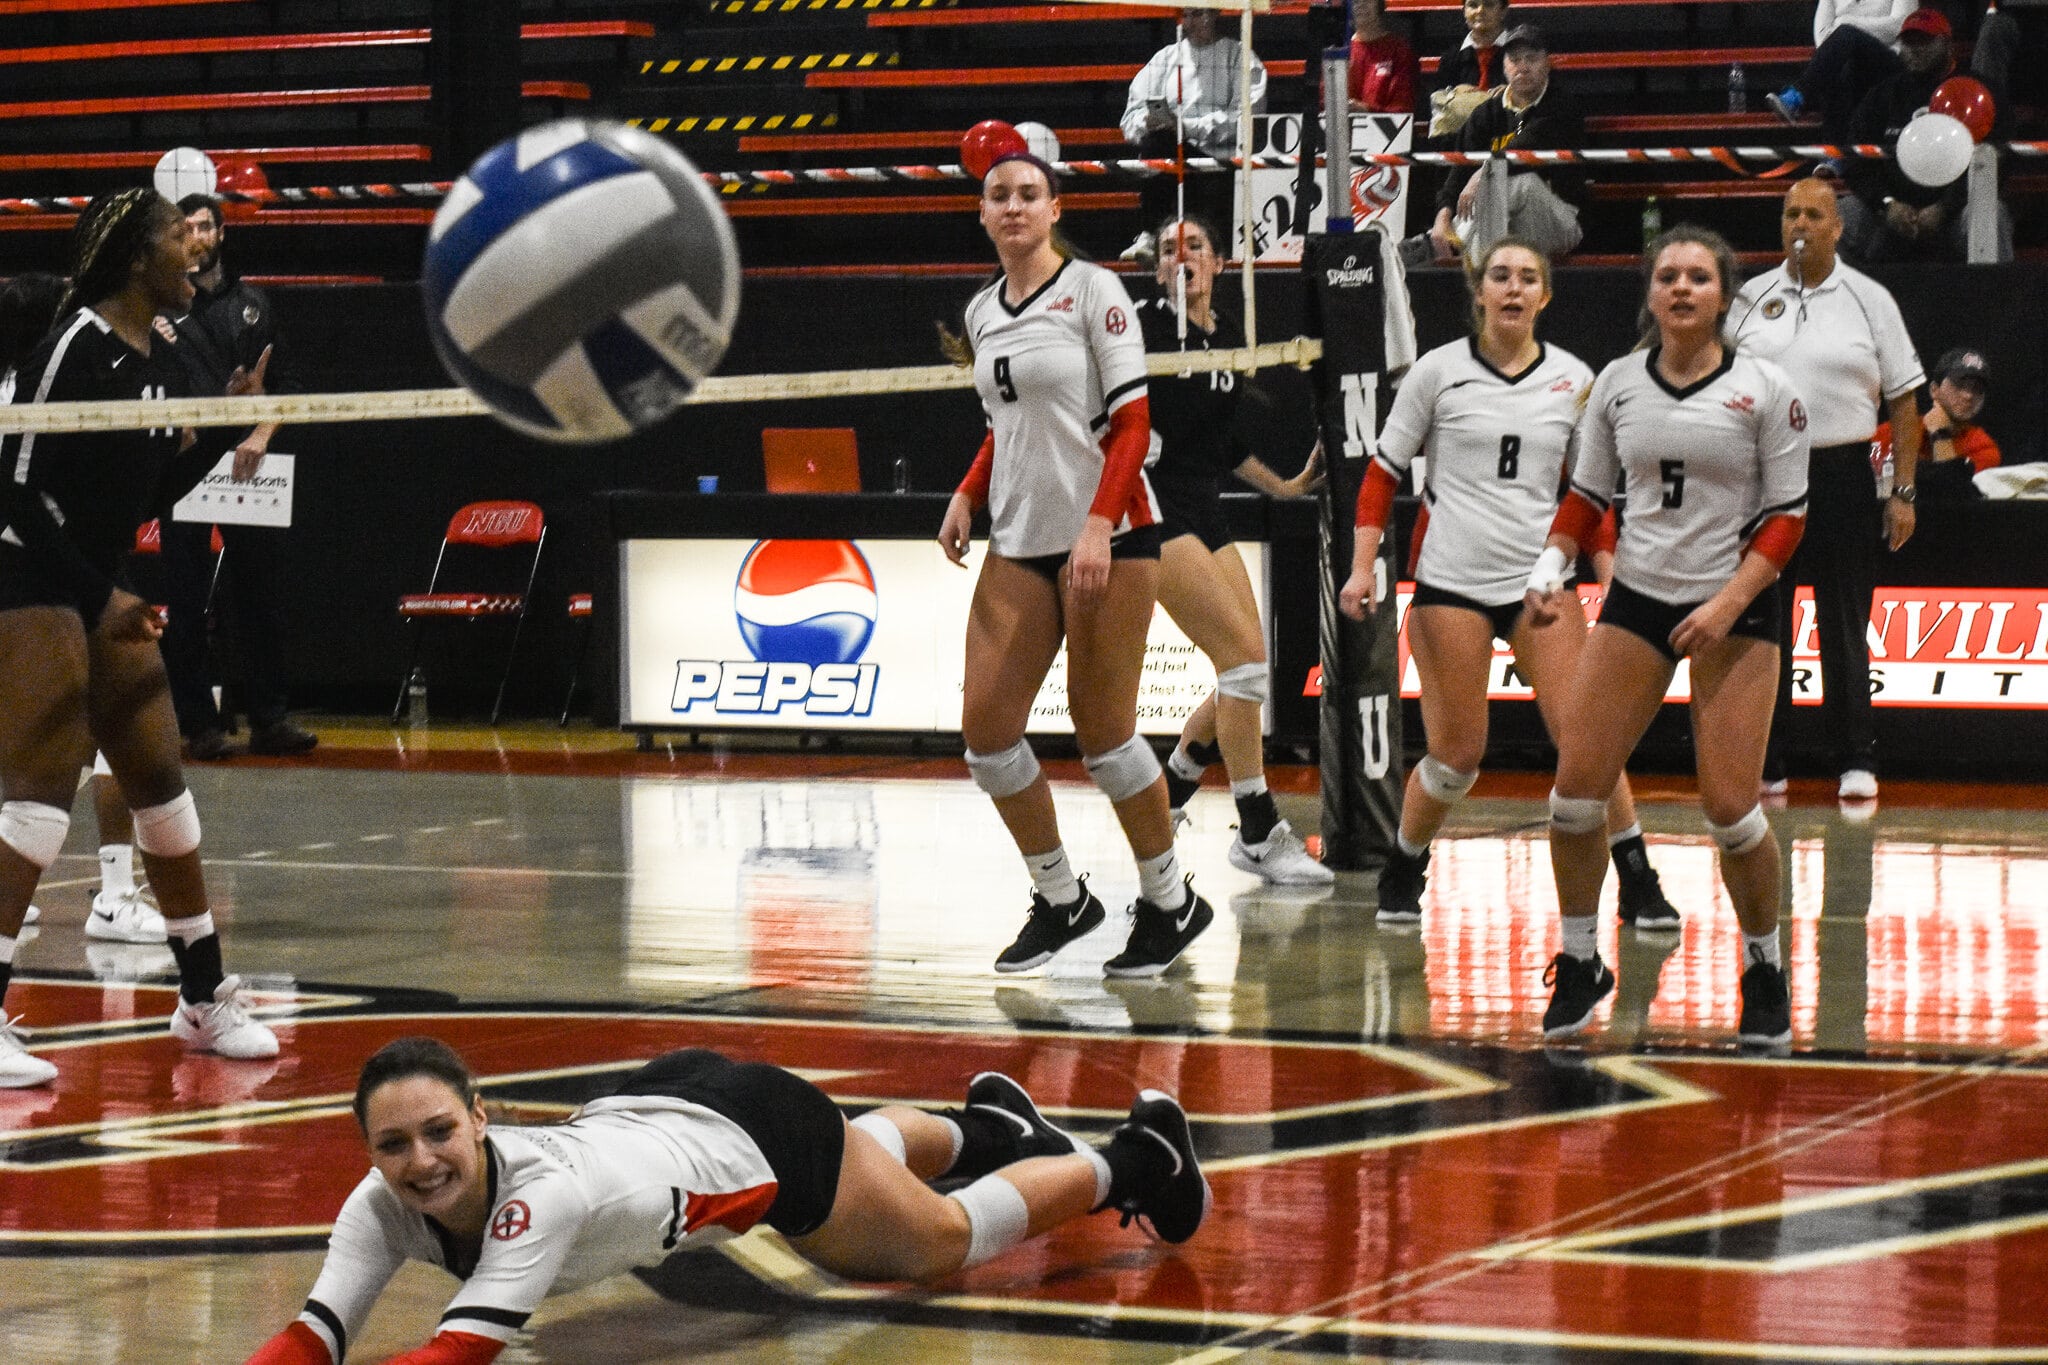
x: 265, y: 500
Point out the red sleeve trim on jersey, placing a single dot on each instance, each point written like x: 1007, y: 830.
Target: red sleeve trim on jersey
x: 297, y: 1344
x: 1376, y: 496
x: 1777, y: 538
x: 1577, y: 517
x: 975, y: 485
x: 1415, y: 540
x: 1603, y: 537
x: 1123, y: 459
x: 452, y: 1348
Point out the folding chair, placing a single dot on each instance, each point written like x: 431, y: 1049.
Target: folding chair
x: 810, y: 459
x: 490, y: 527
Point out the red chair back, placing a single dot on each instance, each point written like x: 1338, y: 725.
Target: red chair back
x: 496, y: 524
x: 149, y: 537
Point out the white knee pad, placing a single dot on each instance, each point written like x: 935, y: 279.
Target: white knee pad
x: 1246, y: 682
x: 1745, y: 834
x: 997, y: 1218
x: 170, y: 830
x: 1005, y: 772
x: 884, y: 1132
x: 1124, y: 771
x: 1443, y: 782
x: 1576, y: 814
x: 34, y: 830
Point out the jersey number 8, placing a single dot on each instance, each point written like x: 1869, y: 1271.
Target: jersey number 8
x: 1510, y: 456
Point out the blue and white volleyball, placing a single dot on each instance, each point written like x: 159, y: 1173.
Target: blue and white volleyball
x: 581, y: 280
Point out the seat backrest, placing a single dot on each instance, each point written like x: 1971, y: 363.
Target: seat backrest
x: 496, y: 524
x: 810, y: 459
x: 149, y: 537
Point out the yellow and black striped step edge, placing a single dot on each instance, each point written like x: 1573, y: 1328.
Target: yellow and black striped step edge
x: 720, y: 66
x: 733, y: 123
x: 791, y: 6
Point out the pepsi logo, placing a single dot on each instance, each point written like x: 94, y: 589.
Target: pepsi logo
x: 805, y: 601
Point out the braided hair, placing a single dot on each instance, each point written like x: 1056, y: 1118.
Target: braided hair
x: 109, y: 236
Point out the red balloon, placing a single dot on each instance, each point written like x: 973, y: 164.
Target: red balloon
x: 242, y: 177
x: 1968, y: 101
x: 986, y: 141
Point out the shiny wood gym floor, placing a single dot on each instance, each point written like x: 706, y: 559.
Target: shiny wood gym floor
x: 1402, y: 1170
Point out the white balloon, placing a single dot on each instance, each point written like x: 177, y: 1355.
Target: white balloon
x: 1934, y: 149
x: 1040, y: 139
x: 182, y: 171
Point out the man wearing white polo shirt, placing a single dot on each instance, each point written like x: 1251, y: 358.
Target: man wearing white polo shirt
x: 1839, y: 334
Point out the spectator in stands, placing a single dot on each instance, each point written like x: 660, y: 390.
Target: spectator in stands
x: 1469, y: 74
x: 1529, y: 202
x: 229, y: 326
x: 1890, y: 216
x: 1957, y: 449
x: 1384, y: 73
x: 1852, y: 51
x: 1189, y: 89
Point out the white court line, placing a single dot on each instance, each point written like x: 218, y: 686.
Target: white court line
x: 308, y: 866
x: 315, y: 848
x: 375, y: 838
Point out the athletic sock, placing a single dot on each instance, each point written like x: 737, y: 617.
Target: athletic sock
x: 7, y: 946
x: 1761, y: 948
x: 1103, y: 1176
x: 1159, y: 881
x: 196, y: 947
x: 1412, y: 850
x: 1581, y: 936
x: 1053, y: 876
x: 1181, y: 764
x: 1631, y: 857
x: 117, y: 870
x: 1256, y: 813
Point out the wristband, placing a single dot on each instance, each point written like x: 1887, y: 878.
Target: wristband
x: 1548, y: 575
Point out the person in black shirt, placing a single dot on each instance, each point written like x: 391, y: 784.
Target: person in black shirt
x: 1199, y: 436
x: 229, y: 325
x: 78, y: 659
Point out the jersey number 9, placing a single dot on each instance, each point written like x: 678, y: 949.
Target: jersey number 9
x: 1005, y: 386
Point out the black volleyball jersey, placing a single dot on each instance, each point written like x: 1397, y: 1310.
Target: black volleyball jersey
x: 1197, y: 424
x: 74, y: 499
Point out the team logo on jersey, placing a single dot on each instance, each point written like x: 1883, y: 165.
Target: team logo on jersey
x: 1061, y: 305
x: 1797, y: 415
x: 1116, y: 322
x: 512, y: 1220
x: 250, y: 313
x: 806, y: 610
x: 1773, y: 309
x: 1562, y: 386
x: 1741, y: 402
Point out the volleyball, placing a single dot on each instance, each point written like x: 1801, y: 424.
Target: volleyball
x: 581, y: 279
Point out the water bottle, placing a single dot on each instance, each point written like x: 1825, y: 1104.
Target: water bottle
x: 1738, y: 90
x: 900, y: 473
x: 1653, y: 221
x: 416, y: 698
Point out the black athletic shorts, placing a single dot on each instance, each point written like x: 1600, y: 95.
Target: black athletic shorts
x: 1191, y: 509
x: 1654, y: 620
x: 796, y: 1127
x: 1503, y: 617
x: 1140, y: 542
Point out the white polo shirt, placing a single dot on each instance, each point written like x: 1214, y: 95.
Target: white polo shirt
x: 1842, y: 341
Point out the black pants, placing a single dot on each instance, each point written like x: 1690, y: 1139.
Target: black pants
x: 1837, y: 558
x: 1843, y: 69
x: 252, y: 579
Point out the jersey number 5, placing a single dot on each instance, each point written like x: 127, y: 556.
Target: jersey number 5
x: 1510, y: 456
x: 1005, y: 386
x: 1673, y: 474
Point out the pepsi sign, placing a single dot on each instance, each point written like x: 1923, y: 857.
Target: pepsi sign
x: 806, y: 610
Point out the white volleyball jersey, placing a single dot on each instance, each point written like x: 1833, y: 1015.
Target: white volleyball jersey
x: 1050, y: 371
x: 1497, y: 447
x: 1843, y: 342
x: 1703, y: 467
x: 625, y: 1183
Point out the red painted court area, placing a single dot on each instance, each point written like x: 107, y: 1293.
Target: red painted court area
x: 1423, y: 1202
